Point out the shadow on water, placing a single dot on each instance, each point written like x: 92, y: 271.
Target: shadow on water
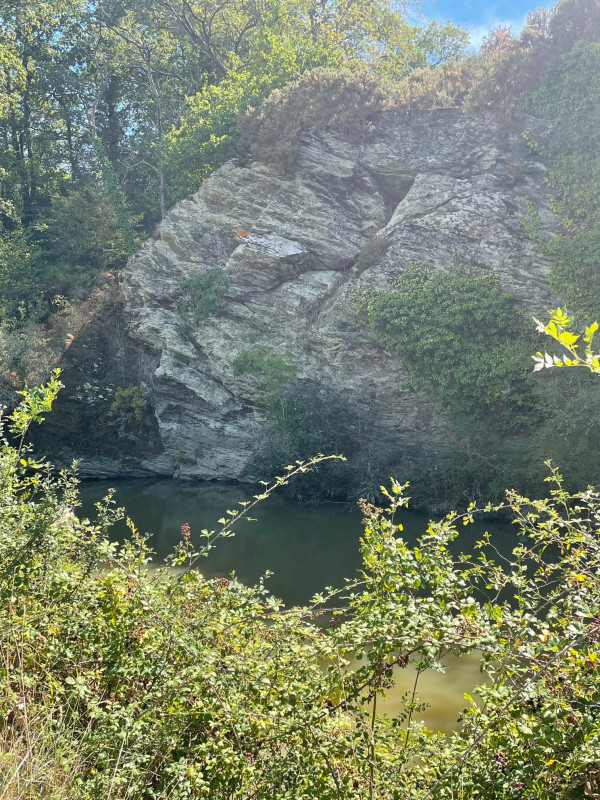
x: 305, y: 547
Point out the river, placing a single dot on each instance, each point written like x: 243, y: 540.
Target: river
x: 305, y: 547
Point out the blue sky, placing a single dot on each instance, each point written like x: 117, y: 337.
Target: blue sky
x: 480, y: 17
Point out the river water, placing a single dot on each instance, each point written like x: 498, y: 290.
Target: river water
x: 305, y: 547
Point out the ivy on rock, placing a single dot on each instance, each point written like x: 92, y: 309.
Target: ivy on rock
x: 462, y: 338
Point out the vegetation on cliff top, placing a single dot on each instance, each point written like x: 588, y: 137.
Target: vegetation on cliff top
x: 113, y: 111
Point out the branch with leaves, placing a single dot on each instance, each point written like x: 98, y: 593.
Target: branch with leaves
x: 560, y: 328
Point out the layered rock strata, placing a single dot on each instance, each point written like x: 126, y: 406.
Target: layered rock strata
x: 440, y: 187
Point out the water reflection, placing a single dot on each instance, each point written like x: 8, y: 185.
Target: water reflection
x: 305, y: 547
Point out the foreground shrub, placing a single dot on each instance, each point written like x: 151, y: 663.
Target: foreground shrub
x: 120, y: 681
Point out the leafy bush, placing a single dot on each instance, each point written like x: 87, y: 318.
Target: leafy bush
x: 120, y: 681
x: 570, y: 433
x: 204, y: 294
x: 342, y: 100
x: 465, y: 344
x: 129, y: 402
x: 503, y: 74
x: 507, y: 68
x: 570, y: 429
x: 80, y: 239
x: 575, y: 273
x: 207, y: 135
x: 461, y: 337
x: 19, y: 273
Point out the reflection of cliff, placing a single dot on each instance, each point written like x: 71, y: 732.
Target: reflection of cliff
x: 441, y: 187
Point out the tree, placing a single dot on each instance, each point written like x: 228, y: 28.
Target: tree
x: 39, y: 41
x: 143, y: 96
x: 19, y: 273
x: 263, y: 48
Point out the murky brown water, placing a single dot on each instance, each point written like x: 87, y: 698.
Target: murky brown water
x: 444, y: 691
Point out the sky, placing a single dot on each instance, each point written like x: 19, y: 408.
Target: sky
x: 481, y: 17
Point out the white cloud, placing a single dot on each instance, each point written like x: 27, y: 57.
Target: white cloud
x: 479, y: 32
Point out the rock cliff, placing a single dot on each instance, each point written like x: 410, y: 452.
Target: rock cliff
x: 439, y: 187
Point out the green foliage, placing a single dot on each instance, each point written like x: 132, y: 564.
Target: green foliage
x: 19, y: 273
x: 274, y: 372
x: 80, y: 239
x: 569, y: 433
x: 154, y: 88
x: 36, y: 401
x: 112, y: 186
x: 574, y: 269
x: 462, y: 339
x: 124, y: 682
x: 532, y: 223
x: 465, y: 343
x: 346, y: 101
x: 28, y: 349
x: 207, y: 135
x: 473, y: 466
x: 570, y: 97
x: 129, y: 403
x: 204, y: 294
x: 144, y: 98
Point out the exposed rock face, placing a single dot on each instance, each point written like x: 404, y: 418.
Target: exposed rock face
x: 441, y: 187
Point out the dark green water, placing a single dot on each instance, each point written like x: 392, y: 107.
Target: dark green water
x: 305, y: 547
